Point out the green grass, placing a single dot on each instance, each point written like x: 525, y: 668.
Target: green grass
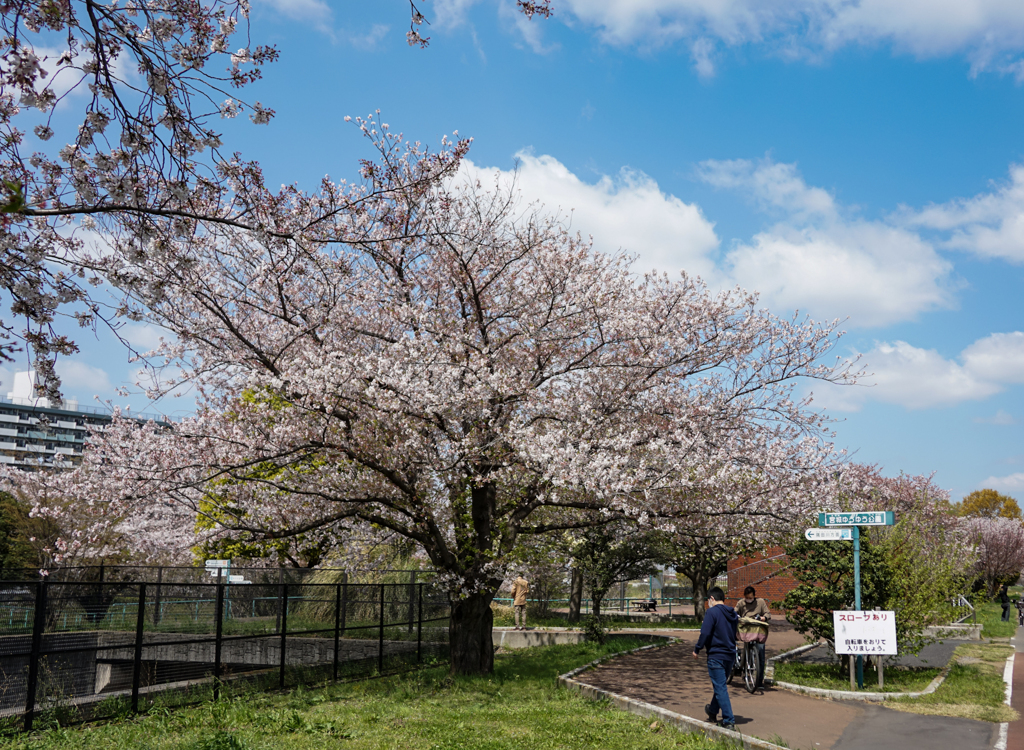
x: 834, y: 677
x: 990, y: 617
x: 519, y: 706
x: 974, y: 688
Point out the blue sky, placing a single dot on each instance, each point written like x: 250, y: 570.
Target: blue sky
x: 855, y: 160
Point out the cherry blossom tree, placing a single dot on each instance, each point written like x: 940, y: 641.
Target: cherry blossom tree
x: 134, y: 157
x: 1000, y: 550
x: 461, y: 371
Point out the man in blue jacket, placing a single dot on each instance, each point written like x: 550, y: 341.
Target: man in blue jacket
x: 718, y: 636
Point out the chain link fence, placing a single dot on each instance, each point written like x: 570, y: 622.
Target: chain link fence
x: 74, y: 650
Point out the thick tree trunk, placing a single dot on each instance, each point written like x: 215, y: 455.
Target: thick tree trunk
x: 469, y: 635
x: 700, y: 597
x: 575, y: 595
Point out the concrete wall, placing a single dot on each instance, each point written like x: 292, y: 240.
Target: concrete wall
x: 106, y: 662
x: 60, y: 675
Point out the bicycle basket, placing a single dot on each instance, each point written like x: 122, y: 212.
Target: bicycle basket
x: 750, y: 630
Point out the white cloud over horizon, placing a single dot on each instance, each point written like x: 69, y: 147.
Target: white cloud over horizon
x: 1010, y: 484
x: 915, y: 378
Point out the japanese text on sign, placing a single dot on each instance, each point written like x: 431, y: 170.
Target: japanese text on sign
x: 866, y: 518
x: 865, y: 632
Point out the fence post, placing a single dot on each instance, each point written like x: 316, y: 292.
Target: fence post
x: 380, y: 644
x: 344, y: 599
x: 38, y: 624
x: 280, y: 594
x: 219, y: 613
x: 419, y: 629
x: 159, y: 594
x: 140, y: 624
x: 284, y: 630
x: 412, y: 593
x: 337, y: 628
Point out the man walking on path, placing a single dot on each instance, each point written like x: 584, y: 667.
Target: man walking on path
x: 718, y: 636
x: 520, y: 588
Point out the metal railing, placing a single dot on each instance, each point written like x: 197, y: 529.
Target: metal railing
x: 612, y: 604
x: 80, y: 651
x: 963, y: 603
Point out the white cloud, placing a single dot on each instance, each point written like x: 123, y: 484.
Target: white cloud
x: 874, y: 274
x: 774, y: 185
x: 83, y: 380
x: 317, y: 13
x: 1000, y: 418
x: 819, y: 260
x: 990, y: 224
x: 814, y: 259
x: 144, y: 337
x: 628, y: 212
x: 899, y: 373
x: 1010, y: 483
x: 531, y: 32
x: 703, y: 51
x: 371, y: 39
x: 998, y: 357
x: 990, y: 33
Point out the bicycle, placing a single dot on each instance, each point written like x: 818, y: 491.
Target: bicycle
x: 750, y: 632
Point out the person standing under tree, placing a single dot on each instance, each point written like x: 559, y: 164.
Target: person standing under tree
x: 1004, y: 600
x: 757, y: 609
x: 520, y: 588
x: 718, y: 636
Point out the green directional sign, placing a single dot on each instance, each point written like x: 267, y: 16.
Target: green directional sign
x: 864, y: 518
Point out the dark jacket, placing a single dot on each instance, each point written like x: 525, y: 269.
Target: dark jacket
x: 1004, y: 598
x: 718, y: 633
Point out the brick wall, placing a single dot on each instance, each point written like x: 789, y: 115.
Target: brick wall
x: 765, y: 572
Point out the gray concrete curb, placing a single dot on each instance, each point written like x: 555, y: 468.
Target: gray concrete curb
x: 844, y: 695
x: 640, y: 708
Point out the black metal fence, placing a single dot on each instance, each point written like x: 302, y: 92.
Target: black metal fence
x: 74, y: 650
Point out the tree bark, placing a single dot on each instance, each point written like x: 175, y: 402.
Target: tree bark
x: 469, y: 635
x: 575, y: 595
x: 700, y: 596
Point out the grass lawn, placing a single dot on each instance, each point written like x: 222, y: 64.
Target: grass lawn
x: 834, y: 677
x: 519, y: 706
x: 974, y: 688
x: 990, y: 618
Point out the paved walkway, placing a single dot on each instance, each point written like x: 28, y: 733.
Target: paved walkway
x: 672, y: 678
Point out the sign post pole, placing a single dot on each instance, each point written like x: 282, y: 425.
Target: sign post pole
x: 853, y: 520
x: 856, y: 597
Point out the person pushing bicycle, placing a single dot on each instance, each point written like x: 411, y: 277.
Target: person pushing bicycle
x: 757, y: 609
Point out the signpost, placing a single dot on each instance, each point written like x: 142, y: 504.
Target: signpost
x: 829, y: 535
x: 853, y: 521
x: 870, y: 633
x: 869, y: 518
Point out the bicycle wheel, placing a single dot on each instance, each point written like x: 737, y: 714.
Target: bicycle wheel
x: 737, y: 666
x: 750, y: 667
